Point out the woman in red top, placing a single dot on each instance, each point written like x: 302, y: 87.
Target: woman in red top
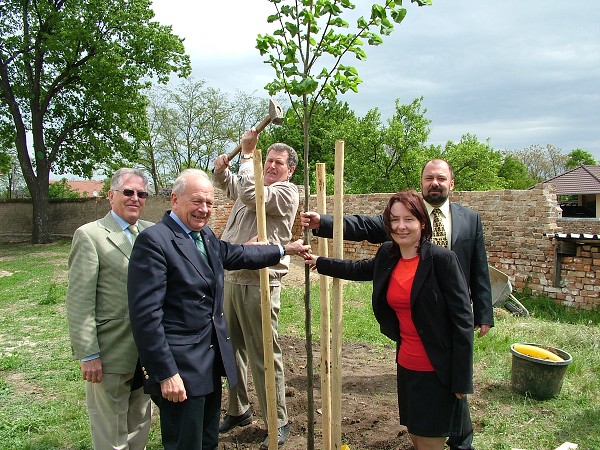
x: 421, y: 301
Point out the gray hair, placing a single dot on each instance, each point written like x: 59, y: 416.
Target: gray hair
x: 117, y: 178
x: 182, y: 179
x: 292, y: 155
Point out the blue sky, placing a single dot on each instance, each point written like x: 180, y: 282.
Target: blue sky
x: 518, y: 72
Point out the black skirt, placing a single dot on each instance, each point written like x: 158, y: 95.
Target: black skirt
x: 427, y: 407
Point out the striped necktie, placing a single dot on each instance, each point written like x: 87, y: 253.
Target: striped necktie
x: 199, y: 243
x: 439, y: 232
x: 134, y: 232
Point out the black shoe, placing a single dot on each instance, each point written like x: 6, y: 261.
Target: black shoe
x: 282, y: 434
x: 230, y: 422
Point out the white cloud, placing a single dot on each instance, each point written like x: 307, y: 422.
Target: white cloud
x: 518, y: 72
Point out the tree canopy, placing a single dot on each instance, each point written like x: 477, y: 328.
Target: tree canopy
x: 190, y: 124
x: 72, y: 76
x: 577, y: 157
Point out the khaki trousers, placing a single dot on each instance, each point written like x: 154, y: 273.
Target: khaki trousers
x: 119, y: 418
x: 242, y: 311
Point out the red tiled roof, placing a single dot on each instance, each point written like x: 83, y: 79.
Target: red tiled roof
x: 581, y: 180
x: 93, y: 188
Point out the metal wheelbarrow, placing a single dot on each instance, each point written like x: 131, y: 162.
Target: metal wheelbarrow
x: 502, y: 293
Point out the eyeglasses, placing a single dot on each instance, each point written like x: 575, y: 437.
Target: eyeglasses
x: 130, y: 192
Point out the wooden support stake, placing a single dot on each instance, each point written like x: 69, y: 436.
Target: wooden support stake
x: 336, y: 322
x: 265, y: 305
x: 325, y: 309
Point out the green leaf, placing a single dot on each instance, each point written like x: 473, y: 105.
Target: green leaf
x: 292, y: 28
x: 398, y: 15
x: 377, y: 12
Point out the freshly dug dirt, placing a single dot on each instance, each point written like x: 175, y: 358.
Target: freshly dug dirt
x: 369, y: 401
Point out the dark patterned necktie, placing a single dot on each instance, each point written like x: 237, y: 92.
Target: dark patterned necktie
x: 439, y: 232
x: 199, y: 243
x: 134, y: 232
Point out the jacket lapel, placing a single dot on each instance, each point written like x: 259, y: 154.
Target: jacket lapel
x: 423, y: 269
x: 116, y: 235
x: 384, y: 271
x: 457, y: 219
x: 188, y: 249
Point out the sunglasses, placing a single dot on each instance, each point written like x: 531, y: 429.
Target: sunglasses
x: 130, y: 192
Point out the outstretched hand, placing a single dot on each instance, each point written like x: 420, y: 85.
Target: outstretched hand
x: 311, y: 261
x: 297, y: 248
x: 310, y: 219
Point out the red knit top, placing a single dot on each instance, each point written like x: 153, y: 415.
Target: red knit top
x: 412, y: 354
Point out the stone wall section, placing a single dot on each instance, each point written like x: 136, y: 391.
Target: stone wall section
x: 516, y: 227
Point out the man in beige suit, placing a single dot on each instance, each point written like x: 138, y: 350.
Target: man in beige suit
x: 98, y: 317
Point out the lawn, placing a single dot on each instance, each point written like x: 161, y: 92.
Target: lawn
x: 43, y: 403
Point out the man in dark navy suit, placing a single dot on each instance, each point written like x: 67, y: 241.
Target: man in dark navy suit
x: 175, y: 290
x: 463, y: 233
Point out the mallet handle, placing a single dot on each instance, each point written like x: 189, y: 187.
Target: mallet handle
x: 261, y: 126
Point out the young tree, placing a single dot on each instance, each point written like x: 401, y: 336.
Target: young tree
x: 306, y: 52
x: 71, y: 80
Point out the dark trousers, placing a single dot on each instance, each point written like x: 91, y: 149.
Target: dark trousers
x: 192, y: 424
x: 465, y: 440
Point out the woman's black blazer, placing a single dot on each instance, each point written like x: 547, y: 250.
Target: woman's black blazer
x: 440, y: 303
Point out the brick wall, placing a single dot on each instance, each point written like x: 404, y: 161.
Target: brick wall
x: 515, y: 226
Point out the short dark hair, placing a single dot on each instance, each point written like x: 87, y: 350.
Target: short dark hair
x: 413, y: 201
x: 437, y: 161
x: 292, y: 155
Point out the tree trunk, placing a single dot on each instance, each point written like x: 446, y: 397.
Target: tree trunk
x: 36, y: 177
x: 41, y: 221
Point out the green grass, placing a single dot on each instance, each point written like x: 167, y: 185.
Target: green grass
x: 503, y: 419
x: 43, y: 403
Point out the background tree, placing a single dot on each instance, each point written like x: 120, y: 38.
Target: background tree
x: 62, y: 189
x: 515, y: 174
x: 542, y: 162
x: 329, y: 122
x: 306, y: 52
x: 405, y: 147
x: 387, y: 158
x: 151, y: 158
x: 71, y: 81
x: 579, y: 157
x: 190, y: 124
x: 6, y: 161
x: 475, y: 164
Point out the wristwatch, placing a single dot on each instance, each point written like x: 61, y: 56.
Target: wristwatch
x: 247, y: 156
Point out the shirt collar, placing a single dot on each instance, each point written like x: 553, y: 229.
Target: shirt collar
x: 179, y: 222
x: 445, y: 208
x: 122, y: 223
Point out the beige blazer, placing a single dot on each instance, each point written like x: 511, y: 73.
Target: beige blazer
x: 97, y: 309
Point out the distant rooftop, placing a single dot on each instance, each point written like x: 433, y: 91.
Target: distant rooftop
x: 581, y: 180
x: 92, y: 188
